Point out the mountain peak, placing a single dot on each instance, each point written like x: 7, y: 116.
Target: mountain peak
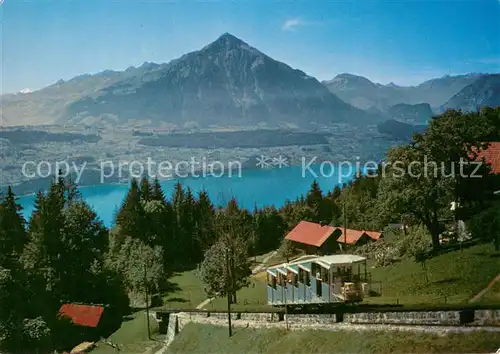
x: 228, y: 37
x: 227, y: 41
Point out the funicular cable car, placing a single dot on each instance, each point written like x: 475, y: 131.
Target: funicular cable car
x: 336, y: 278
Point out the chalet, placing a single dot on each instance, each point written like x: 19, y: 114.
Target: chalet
x: 313, y: 238
x: 356, y: 237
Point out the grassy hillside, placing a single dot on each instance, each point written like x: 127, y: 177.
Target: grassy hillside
x: 196, y: 338
x: 454, y: 277
x: 132, y: 337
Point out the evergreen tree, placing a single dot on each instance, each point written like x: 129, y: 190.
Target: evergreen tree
x: 16, y: 310
x: 130, y: 219
x: 204, y: 216
x: 146, y: 190
x: 269, y: 228
x: 157, y: 192
x: 12, y: 227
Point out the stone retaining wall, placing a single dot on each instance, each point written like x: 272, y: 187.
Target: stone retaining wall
x: 487, y: 318
x: 443, y: 318
x: 312, y: 319
x: 412, y: 318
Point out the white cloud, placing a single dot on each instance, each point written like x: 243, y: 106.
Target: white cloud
x: 26, y: 90
x: 291, y: 24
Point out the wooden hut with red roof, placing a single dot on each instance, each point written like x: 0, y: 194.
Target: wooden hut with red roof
x: 82, y: 315
x: 87, y: 322
x: 313, y: 238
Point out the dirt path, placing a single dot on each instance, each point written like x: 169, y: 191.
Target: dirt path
x: 485, y: 290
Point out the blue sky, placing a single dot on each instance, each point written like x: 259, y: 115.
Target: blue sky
x: 405, y: 41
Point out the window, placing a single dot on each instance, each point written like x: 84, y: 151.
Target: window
x: 307, y: 280
x: 316, y: 270
x: 324, y: 275
x: 271, y: 280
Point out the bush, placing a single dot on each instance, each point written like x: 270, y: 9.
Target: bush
x: 387, y: 252
x: 486, y: 225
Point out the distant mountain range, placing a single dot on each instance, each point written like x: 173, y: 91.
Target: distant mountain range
x: 485, y: 91
x: 364, y: 94
x: 230, y: 83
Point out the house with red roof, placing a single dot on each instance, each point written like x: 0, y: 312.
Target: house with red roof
x: 313, y: 238
x: 491, y: 156
x: 325, y: 239
x: 356, y: 237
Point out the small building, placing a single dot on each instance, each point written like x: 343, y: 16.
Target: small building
x: 311, y: 279
x: 356, y: 237
x: 86, y: 322
x: 313, y: 238
x: 82, y: 315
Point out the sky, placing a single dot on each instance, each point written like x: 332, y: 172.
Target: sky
x: 405, y: 42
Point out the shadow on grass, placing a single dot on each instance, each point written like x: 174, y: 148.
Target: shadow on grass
x: 169, y: 287
x: 450, y: 280
x: 129, y: 317
x: 177, y: 299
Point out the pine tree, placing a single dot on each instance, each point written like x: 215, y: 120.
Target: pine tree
x: 157, y: 192
x: 146, y: 190
x: 269, y: 228
x: 204, y: 216
x: 188, y: 224
x: 130, y: 219
x: 12, y: 227
x: 314, y: 201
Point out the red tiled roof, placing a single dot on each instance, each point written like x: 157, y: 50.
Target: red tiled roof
x: 310, y: 233
x: 351, y: 236
x: 373, y: 234
x: 354, y: 235
x: 82, y: 315
x: 492, y: 156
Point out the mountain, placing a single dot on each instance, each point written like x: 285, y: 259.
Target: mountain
x: 226, y: 83
x: 362, y: 93
x: 483, y: 92
x: 48, y: 105
x: 411, y: 113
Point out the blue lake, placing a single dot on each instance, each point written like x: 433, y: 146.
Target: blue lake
x: 259, y: 187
